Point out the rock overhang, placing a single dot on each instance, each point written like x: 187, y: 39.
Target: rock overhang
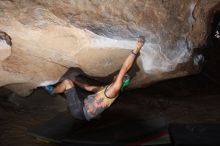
x: 50, y: 37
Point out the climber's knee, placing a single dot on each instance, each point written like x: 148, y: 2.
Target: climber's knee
x: 68, y: 84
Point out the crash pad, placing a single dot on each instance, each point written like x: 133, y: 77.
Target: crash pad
x: 66, y: 130
x: 195, y: 134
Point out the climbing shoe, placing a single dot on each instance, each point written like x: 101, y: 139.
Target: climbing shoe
x: 49, y: 89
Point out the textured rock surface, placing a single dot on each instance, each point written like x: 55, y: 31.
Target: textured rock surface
x: 48, y: 37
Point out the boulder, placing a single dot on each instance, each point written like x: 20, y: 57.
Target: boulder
x: 46, y: 38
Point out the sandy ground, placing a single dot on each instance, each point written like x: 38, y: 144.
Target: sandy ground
x: 187, y: 100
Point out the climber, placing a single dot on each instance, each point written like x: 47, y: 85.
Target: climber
x: 103, y: 96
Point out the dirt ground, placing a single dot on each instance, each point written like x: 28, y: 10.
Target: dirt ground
x: 194, y: 99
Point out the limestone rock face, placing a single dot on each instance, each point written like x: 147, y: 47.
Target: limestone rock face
x: 48, y: 37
